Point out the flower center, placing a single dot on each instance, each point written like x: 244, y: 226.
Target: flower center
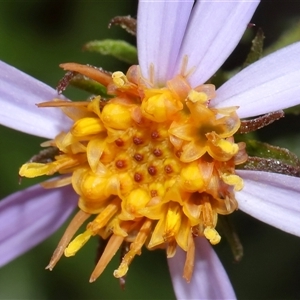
x: 156, y: 166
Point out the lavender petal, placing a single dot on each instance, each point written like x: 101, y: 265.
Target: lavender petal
x: 270, y: 84
x: 271, y: 198
x: 214, y: 30
x: 29, y: 216
x: 19, y: 94
x: 209, y: 280
x: 161, y: 26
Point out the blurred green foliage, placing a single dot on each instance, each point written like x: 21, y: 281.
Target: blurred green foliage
x: 36, y: 36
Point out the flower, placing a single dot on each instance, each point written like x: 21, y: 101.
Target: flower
x: 163, y: 111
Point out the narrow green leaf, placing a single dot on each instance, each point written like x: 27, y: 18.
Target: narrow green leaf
x: 264, y: 150
x: 256, y: 49
x: 265, y: 157
x: 90, y: 86
x: 117, y: 48
x: 295, y: 110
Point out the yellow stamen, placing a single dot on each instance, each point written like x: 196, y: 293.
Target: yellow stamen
x: 234, y: 180
x: 195, y: 96
x: 212, y: 235
x: 77, y: 243
x: 119, y: 79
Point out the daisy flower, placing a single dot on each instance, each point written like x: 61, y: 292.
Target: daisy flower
x: 156, y: 164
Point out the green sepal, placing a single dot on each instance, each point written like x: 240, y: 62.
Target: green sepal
x: 90, y: 86
x: 227, y: 228
x: 295, y: 110
x: 268, y: 158
x: 264, y: 150
x: 117, y: 48
x: 256, y: 50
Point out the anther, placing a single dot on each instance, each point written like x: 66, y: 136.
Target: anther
x: 138, y: 157
x: 152, y: 170
x: 138, y: 177
x: 137, y: 140
x: 119, y: 142
x: 154, y: 134
x: 120, y: 164
x: 157, y: 152
x: 168, y: 169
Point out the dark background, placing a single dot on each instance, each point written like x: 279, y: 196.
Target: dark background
x: 35, y: 36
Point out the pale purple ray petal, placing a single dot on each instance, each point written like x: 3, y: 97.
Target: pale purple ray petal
x: 271, y: 198
x: 19, y: 93
x: 270, y: 84
x: 28, y: 217
x: 161, y: 26
x: 209, y: 280
x: 214, y: 30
